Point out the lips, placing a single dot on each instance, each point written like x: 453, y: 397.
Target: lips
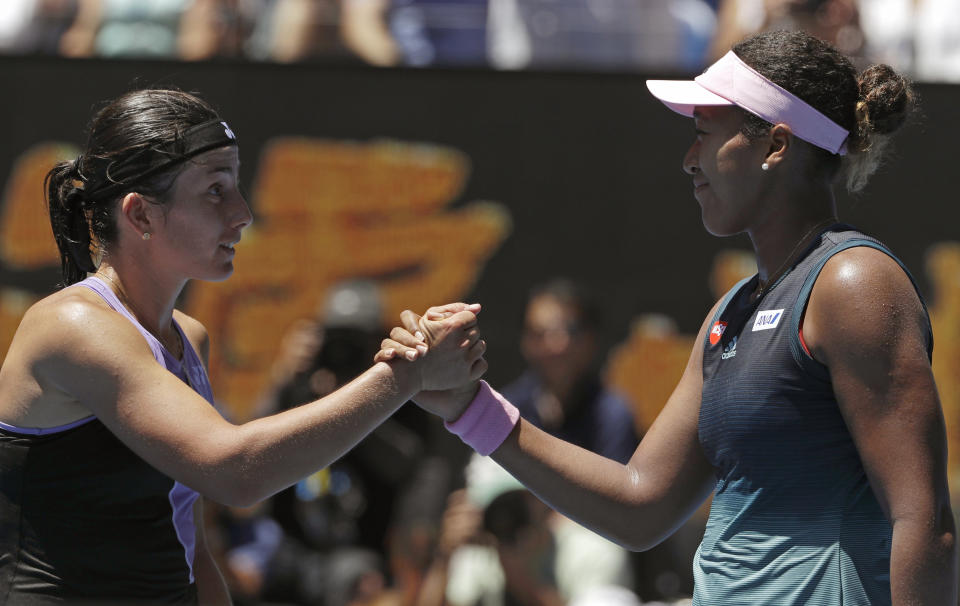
x: 230, y: 244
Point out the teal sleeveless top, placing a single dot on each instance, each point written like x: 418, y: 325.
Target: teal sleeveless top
x: 793, y: 520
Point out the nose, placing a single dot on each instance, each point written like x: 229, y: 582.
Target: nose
x: 691, y: 160
x: 243, y: 217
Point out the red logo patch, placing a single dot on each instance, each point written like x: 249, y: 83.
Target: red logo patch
x: 716, y: 332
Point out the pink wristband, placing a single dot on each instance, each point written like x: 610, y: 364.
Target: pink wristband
x: 486, y: 422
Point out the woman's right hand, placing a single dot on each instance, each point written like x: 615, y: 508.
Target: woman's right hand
x: 445, y: 344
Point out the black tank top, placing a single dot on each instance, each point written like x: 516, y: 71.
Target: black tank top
x: 794, y: 520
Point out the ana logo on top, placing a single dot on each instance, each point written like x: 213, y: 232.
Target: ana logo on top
x: 767, y: 319
x: 717, y: 331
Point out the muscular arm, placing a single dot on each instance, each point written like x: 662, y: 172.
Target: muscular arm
x: 874, y: 345
x: 178, y: 432
x: 638, y: 504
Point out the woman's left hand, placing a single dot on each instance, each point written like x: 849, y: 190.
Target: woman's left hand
x: 418, y: 336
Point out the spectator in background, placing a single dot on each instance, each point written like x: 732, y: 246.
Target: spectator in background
x: 124, y: 28
x: 600, y: 34
x: 34, y: 26
x: 370, y: 502
x: 561, y: 391
x: 417, y: 32
x: 834, y: 21
x: 919, y: 36
x: 215, y: 28
x: 347, y: 503
x: 500, y: 546
x: 186, y: 29
x: 517, y: 34
x: 295, y: 30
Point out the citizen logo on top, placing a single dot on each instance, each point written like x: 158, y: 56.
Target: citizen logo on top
x: 767, y: 319
x: 717, y: 331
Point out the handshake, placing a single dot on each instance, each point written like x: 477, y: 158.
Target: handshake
x: 444, y: 352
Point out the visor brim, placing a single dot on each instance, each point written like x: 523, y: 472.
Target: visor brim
x: 682, y: 96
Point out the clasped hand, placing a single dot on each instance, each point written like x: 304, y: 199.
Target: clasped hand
x: 445, y: 346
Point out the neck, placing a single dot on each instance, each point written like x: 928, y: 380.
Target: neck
x: 789, y: 228
x: 151, y: 299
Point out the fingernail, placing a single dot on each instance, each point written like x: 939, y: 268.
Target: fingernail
x: 388, y: 352
x: 411, y: 355
x: 422, y: 349
x: 419, y: 335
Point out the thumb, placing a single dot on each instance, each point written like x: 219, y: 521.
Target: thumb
x: 444, y: 311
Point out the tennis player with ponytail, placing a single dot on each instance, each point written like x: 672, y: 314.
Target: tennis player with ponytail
x: 808, y: 405
x: 107, y: 432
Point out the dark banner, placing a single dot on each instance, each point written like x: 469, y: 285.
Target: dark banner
x: 445, y: 185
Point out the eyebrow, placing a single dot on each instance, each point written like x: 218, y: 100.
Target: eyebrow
x: 222, y: 169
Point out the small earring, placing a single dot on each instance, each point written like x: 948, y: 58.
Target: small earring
x: 764, y: 166
x: 146, y: 235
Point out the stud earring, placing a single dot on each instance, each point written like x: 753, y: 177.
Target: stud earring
x: 764, y: 166
x: 146, y: 235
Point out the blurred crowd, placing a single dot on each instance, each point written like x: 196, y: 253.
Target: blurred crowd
x: 919, y: 37
x: 411, y: 517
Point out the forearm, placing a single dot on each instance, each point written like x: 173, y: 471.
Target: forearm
x: 923, y: 561
x: 211, y: 588
x: 274, y: 452
x: 620, y: 502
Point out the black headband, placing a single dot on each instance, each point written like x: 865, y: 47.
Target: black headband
x: 194, y: 141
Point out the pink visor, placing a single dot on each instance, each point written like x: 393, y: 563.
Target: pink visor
x: 730, y: 81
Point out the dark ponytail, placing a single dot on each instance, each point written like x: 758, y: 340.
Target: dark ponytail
x: 69, y: 219
x: 135, y: 144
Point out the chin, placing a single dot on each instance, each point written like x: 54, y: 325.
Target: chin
x: 217, y: 276
x: 718, y: 226
x: 711, y: 226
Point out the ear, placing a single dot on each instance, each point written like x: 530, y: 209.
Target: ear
x: 137, y: 214
x: 781, y: 140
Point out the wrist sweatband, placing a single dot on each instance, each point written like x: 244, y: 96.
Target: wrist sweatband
x: 486, y: 422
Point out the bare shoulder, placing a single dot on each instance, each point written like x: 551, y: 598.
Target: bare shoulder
x: 196, y: 332
x: 862, y: 299
x: 73, y: 332
x: 67, y: 338
x: 73, y: 318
